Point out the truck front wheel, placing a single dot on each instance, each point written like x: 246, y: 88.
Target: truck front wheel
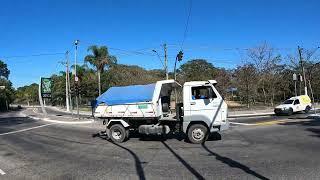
x: 197, y: 133
x: 118, y: 133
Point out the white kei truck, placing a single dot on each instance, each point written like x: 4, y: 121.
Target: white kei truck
x: 149, y: 109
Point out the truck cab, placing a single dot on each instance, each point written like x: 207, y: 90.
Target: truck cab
x: 202, y: 104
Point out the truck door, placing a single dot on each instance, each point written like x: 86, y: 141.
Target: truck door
x: 204, y: 103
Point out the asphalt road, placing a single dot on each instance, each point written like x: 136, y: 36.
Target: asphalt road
x: 39, y: 150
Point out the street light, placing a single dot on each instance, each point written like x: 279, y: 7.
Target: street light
x: 164, y: 65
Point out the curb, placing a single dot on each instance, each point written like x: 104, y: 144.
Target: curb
x: 65, y: 111
x: 251, y: 115
x: 57, y: 121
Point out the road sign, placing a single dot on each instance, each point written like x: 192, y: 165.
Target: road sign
x: 46, y: 85
x: 294, y: 76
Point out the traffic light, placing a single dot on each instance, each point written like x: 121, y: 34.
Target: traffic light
x: 180, y: 56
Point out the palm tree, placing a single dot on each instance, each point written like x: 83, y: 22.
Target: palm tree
x: 100, y: 58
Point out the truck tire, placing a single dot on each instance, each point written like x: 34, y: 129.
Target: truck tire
x: 197, y: 133
x: 290, y: 112
x: 308, y: 108
x: 118, y: 133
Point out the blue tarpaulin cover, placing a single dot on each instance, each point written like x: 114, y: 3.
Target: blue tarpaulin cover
x: 126, y: 94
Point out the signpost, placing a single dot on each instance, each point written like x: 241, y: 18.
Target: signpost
x: 44, y: 91
x: 294, y: 77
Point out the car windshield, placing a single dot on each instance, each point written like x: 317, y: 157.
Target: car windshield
x: 288, y: 102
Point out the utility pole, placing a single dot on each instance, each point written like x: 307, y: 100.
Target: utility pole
x: 41, y: 100
x: 67, y: 81
x: 75, y: 76
x: 166, y: 60
x: 69, y: 84
x: 302, y: 69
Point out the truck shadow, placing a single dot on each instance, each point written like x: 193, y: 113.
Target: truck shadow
x: 177, y: 136
x: 138, y: 163
x: 233, y: 163
x: 312, y: 124
x: 187, y: 165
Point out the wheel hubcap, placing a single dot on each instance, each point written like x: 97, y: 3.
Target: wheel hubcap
x: 116, y: 134
x: 198, y: 134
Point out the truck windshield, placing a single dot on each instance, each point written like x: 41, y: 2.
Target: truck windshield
x: 288, y: 101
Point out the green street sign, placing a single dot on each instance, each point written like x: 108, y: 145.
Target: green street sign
x: 46, y: 84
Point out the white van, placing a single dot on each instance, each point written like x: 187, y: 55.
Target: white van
x: 294, y: 104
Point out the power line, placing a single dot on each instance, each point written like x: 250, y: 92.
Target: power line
x: 32, y: 55
x: 186, y: 26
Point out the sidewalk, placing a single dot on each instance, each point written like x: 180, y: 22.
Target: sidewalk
x: 259, y: 112
x: 59, y: 119
x: 248, y: 113
x: 62, y: 109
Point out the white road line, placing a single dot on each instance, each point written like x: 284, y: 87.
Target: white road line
x: 2, y: 172
x: 245, y: 124
x: 27, y: 129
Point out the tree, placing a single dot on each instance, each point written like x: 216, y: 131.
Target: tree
x: 267, y: 65
x: 246, y: 77
x: 197, y: 70
x: 27, y: 94
x: 6, y: 94
x: 100, y: 58
x: 4, y: 71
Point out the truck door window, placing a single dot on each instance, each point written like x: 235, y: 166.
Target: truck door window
x: 296, y: 102
x: 202, y: 92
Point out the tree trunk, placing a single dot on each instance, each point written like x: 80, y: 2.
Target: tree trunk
x: 247, y: 92
x: 264, y: 96
x: 272, y: 99
x: 99, y: 82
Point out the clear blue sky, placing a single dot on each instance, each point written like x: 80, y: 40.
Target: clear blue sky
x: 49, y: 26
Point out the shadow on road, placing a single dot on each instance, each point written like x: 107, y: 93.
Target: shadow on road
x: 138, y: 163
x: 312, y: 123
x: 233, y: 163
x: 177, y: 136
x: 12, y: 121
x: 188, y: 166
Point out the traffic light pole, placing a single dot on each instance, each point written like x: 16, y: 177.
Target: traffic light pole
x: 76, y: 77
x: 166, y: 61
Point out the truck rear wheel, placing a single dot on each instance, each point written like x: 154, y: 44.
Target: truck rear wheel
x: 197, y: 133
x: 118, y: 133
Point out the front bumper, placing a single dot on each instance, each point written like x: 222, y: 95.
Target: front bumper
x: 281, y: 111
